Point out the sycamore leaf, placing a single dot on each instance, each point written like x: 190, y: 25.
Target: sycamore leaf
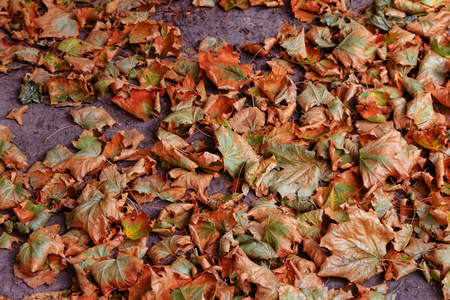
x: 433, y: 139
x: 173, y: 216
x: 120, y: 273
x: 139, y: 102
x: 144, y: 32
x: 235, y: 150
x: 300, y: 171
x: 92, y: 117
x: 94, y: 214
x: 11, y: 193
x: 169, y: 153
x: 57, y: 23
x: 255, y: 248
x: 421, y: 111
x: 293, y: 41
x: 56, y: 155
x: 357, y: 246
x: 17, y: 114
x: 135, y: 225
x: 7, y: 240
x: 224, y: 69
x: 402, y: 237
x: 378, y: 159
x: 145, y: 189
x: 432, y: 69
x: 207, y: 228
x: 314, y: 95
x: 43, y: 242
x: 249, y: 273
x: 247, y: 119
x: 281, y: 234
x: 87, y: 161
x: 354, y: 50
x: 181, y: 121
x: 171, y: 246
x: 205, y: 286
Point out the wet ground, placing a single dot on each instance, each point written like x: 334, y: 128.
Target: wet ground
x: 45, y: 126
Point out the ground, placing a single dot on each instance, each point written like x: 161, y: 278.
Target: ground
x: 45, y: 126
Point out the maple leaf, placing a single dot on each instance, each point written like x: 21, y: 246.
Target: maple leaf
x: 11, y: 193
x: 43, y: 242
x: 354, y: 50
x: 378, y: 159
x: 224, y: 69
x: 235, y: 150
x: 92, y: 118
x: 248, y: 272
x: 7, y: 240
x: 88, y: 160
x: 358, y: 247
x: 94, y: 214
x: 145, y: 189
x: 120, y: 273
x: 170, y: 246
x: 17, y: 114
x: 57, y: 23
x: 139, y: 102
x: 300, y: 171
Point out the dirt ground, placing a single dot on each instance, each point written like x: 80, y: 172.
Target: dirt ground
x: 45, y: 126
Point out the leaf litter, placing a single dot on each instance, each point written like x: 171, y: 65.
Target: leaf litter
x: 350, y: 168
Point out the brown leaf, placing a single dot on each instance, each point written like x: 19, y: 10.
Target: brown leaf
x: 250, y: 273
x: 17, y: 114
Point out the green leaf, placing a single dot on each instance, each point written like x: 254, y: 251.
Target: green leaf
x: 92, y: 117
x: 66, y: 26
x: 7, y: 240
x: 11, y: 194
x: 314, y: 95
x: 187, y: 293
x: 432, y: 69
x: 254, y: 248
x: 31, y: 91
x: 120, y: 273
x: 41, y: 243
x: 300, y: 172
x: 441, y: 49
x: 274, y: 232
x: 171, y: 246
x: 235, y: 150
x: 71, y: 46
x: 94, y: 214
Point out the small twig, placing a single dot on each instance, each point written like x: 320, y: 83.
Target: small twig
x: 224, y: 19
x: 47, y: 113
x: 45, y: 141
x: 21, y: 148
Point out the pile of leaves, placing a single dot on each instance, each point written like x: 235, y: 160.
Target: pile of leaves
x: 349, y: 170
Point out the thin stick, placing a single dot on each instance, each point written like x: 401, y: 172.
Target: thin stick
x: 224, y: 19
x: 45, y: 141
